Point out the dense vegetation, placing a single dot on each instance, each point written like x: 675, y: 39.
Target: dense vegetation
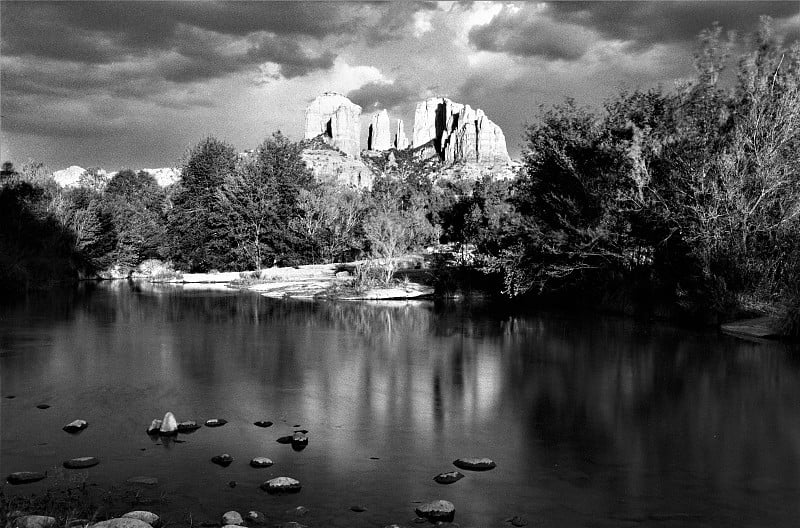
x: 688, y: 197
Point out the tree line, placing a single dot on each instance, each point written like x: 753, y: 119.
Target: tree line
x: 690, y: 195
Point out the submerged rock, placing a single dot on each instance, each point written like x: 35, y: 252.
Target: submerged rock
x: 76, y: 426
x: 299, y: 441
x: 299, y: 511
x: 216, y: 422
x: 475, y: 463
x: 438, y: 510
x: 81, y: 462
x: 155, y: 426
x: 263, y: 423
x: 122, y: 522
x: 261, y: 462
x: 281, y: 485
x: 169, y: 425
x: 150, y: 518
x: 25, y: 477
x: 285, y: 439
x: 358, y: 508
x: 448, y: 477
x: 33, y: 521
x: 256, y: 517
x: 189, y: 426
x: 43, y: 406
x: 232, y: 517
x: 223, y: 460
x: 145, y: 481
x: 517, y: 521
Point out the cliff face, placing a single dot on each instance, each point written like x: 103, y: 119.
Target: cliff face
x: 379, y: 135
x: 336, y: 118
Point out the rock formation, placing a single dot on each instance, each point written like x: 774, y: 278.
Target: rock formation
x: 458, y: 132
x: 336, y: 118
x: 379, y: 135
x: 400, y: 139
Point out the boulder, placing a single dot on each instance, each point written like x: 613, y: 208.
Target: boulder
x: 256, y: 517
x: 299, y: 441
x: 281, y: 485
x: 436, y: 511
x: 261, y: 462
x: 475, y: 463
x: 189, y: 426
x: 43, y: 406
x: 337, y: 119
x: 223, y: 460
x: 216, y: 422
x: 358, y: 508
x: 76, y: 426
x: 379, y: 135
x: 150, y: 518
x: 169, y: 425
x: 448, y: 477
x: 25, y: 477
x: 154, y: 428
x: 81, y: 462
x: 122, y: 522
x: 34, y: 521
x: 285, y: 439
x: 232, y: 517
x: 263, y: 423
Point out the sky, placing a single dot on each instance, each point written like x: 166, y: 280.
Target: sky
x: 134, y: 84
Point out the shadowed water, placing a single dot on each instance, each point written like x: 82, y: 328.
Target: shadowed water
x: 592, y: 421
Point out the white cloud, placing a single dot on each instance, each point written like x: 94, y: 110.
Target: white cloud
x: 422, y: 23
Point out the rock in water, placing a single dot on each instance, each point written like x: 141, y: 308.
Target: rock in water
x: 145, y: 481
x: 232, y: 517
x: 475, y: 463
x: 189, y: 426
x: 121, y: 522
x: 256, y: 517
x: 33, y: 521
x: 216, y: 422
x: 223, y: 460
x: 358, y: 508
x: 155, y: 426
x: 150, y: 518
x: 76, y: 426
x: 169, y: 425
x: 337, y: 120
x: 263, y: 423
x: 261, y: 462
x: 281, y: 485
x: 42, y: 406
x: 25, y: 477
x: 379, y: 135
x: 81, y: 462
x: 449, y: 477
x: 285, y: 439
x: 438, y: 510
x: 299, y: 441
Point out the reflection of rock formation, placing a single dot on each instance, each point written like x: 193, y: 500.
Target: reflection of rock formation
x: 458, y: 132
x: 379, y: 136
x: 336, y: 118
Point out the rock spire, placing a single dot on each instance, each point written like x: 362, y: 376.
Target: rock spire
x: 336, y: 118
x: 379, y: 135
x: 400, y: 139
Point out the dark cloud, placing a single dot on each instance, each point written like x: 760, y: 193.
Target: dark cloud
x: 566, y: 30
x: 379, y: 95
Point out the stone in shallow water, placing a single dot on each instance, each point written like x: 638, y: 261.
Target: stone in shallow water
x: 299, y: 441
x: 263, y: 423
x: 299, y: 511
x: 24, y: 477
x: 81, y: 462
x: 33, y: 521
x: 145, y: 481
x: 189, y: 426
x: 155, y: 426
x: 216, y: 422
x: 358, y: 508
x: 475, y: 463
x: 223, y: 460
x: 281, y: 485
x: 169, y: 425
x: 517, y: 521
x: 232, y: 517
x: 150, y: 518
x: 448, y: 477
x: 438, y: 510
x: 256, y: 517
x: 261, y: 462
x: 285, y: 440
x: 121, y: 522
x: 76, y: 426
x: 43, y: 406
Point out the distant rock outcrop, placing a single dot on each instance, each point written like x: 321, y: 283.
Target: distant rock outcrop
x: 69, y: 177
x: 458, y: 132
x: 379, y: 136
x: 400, y: 138
x: 74, y: 176
x: 336, y: 119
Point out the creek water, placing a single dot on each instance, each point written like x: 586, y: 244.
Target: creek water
x: 591, y: 420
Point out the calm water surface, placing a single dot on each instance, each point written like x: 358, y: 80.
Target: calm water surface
x: 593, y: 421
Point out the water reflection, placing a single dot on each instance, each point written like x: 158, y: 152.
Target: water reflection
x: 592, y: 421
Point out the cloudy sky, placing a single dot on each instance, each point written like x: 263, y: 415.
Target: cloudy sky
x: 133, y: 84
